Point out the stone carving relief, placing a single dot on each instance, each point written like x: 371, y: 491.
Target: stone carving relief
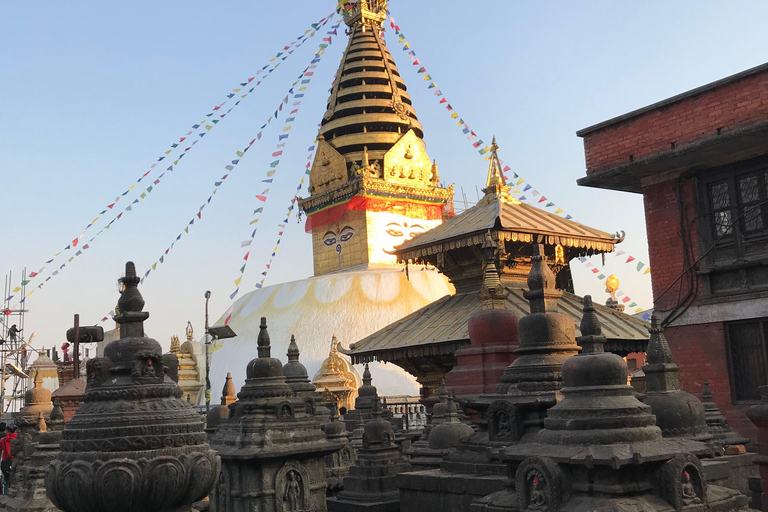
x: 681, y: 481
x: 502, y: 421
x: 291, y: 487
x: 540, y: 485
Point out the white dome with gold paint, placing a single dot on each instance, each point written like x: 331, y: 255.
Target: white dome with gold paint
x: 351, y: 305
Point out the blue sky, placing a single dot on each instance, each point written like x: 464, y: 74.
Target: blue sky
x: 94, y: 92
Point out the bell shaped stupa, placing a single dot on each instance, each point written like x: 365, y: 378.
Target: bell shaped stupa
x: 372, y: 187
x: 338, y: 378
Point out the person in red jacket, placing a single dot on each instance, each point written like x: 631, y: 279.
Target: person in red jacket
x: 5, y: 451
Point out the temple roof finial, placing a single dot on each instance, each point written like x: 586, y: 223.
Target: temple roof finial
x: 293, y: 350
x: 263, y: 339
x: 131, y: 317
x: 495, y: 183
x: 658, y: 348
x: 363, y: 12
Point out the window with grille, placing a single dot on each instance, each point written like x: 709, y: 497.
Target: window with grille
x: 747, y: 358
x: 738, y: 204
x: 733, y: 229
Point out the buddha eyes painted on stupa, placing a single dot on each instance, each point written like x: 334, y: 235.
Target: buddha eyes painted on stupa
x: 397, y: 230
x: 344, y: 235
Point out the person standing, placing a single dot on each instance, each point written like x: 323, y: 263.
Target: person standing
x: 6, y: 459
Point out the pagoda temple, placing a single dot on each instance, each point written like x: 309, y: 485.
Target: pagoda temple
x: 425, y: 342
x: 372, y: 186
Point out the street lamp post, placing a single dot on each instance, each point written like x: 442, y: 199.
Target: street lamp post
x: 207, y: 358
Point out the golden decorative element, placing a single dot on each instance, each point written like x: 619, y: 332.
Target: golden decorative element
x: 559, y: 255
x: 175, y: 345
x: 495, y: 185
x: 612, y: 284
x: 336, y: 380
x: 329, y: 169
x: 371, y: 13
x: 407, y: 162
x: 190, y: 331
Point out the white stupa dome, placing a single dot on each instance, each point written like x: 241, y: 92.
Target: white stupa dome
x: 349, y: 304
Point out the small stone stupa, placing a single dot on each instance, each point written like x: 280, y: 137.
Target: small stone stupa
x: 220, y: 412
x: 47, y: 369
x: 679, y: 414
x: 37, y: 400
x: 337, y: 464
x: 366, y: 395
x: 272, y: 446
x: 421, y: 454
x: 600, y: 448
x: 297, y: 378
x: 722, y: 434
x: 371, y: 481
x: 27, y: 490
x: 134, y: 445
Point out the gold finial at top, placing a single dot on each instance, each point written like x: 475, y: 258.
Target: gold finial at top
x: 175, y: 345
x: 190, y: 331
x: 495, y: 184
x: 363, y: 12
x: 612, y: 284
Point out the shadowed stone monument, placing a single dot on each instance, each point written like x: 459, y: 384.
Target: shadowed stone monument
x: 600, y: 449
x: 371, y: 481
x: 134, y: 444
x: 272, y: 445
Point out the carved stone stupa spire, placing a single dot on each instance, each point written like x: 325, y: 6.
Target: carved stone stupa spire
x: 678, y: 413
x: 134, y: 443
x: 272, y: 447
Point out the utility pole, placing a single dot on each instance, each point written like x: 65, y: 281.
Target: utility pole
x: 207, y: 358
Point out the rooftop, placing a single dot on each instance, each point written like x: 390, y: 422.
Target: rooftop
x: 441, y: 327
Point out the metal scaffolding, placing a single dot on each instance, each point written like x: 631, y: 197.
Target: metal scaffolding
x: 14, y: 346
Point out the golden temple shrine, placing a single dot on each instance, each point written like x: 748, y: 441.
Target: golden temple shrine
x: 189, y: 375
x: 337, y: 380
x: 372, y: 184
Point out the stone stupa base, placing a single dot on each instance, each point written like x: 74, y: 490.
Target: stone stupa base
x: 719, y: 499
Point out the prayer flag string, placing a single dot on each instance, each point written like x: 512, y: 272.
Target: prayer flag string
x: 516, y: 181
x: 300, y: 85
x: 189, y: 140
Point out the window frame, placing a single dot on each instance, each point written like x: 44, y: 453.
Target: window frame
x: 749, y: 248
x: 763, y: 328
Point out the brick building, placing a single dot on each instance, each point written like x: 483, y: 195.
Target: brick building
x: 700, y: 159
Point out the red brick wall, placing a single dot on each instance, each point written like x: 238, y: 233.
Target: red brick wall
x: 699, y: 351
x: 730, y: 106
x: 665, y: 244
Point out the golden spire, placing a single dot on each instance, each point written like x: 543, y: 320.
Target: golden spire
x: 371, y: 13
x: 495, y: 184
x: 369, y: 109
x: 190, y: 331
x: 175, y: 345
